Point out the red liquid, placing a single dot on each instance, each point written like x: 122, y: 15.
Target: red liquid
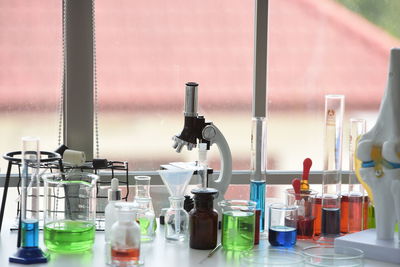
x: 305, y: 227
x: 131, y: 254
x: 354, y: 214
x: 317, y: 214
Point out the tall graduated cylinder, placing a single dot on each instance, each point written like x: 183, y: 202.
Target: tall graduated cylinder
x: 70, y: 211
x: 331, y: 180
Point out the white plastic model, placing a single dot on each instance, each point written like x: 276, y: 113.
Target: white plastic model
x: 379, y: 150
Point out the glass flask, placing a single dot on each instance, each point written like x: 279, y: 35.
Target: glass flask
x: 70, y: 211
x: 146, y: 218
x: 142, y: 191
x: 203, y: 219
x: 176, y: 220
x: 238, y: 224
x: 125, y: 237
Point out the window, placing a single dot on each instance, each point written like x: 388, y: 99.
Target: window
x: 30, y: 73
x: 147, y: 51
x: 317, y: 48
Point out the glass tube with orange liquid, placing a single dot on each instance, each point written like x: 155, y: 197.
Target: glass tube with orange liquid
x: 353, y: 207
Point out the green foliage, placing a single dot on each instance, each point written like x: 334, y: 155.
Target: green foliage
x: 383, y: 13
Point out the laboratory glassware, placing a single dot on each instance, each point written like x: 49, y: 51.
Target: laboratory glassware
x: 333, y: 256
x: 70, y: 211
x: 202, y: 165
x: 332, y: 172
x: 146, y: 218
x: 356, y: 195
x: 238, y: 224
x: 143, y: 198
x: 271, y: 258
x: 29, y: 252
x: 125, y: 237
x: 258, y: 166
x: 110, y: 214
x: 176, y: 218
x: 203, y: 219
x: 305, y: 217
x: 282, y: 225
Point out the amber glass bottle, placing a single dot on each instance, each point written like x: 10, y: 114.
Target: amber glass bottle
x: 203, y: 219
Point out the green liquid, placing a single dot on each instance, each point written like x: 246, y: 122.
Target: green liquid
x: 69, y: 236
x: 147, y: 231
x: 238, y: 230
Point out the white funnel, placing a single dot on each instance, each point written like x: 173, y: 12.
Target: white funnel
x: 176, y: 180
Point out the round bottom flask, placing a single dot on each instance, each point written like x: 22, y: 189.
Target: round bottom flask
x: 176, y: 220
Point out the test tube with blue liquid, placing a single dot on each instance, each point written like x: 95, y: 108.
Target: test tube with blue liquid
x: 258, y: 166
x: 332, y: 173
x: 282, y: 223
x: 29, y: 252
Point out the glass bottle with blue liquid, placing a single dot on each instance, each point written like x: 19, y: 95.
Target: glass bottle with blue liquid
x: 282, y: 222
x: 29, y: 252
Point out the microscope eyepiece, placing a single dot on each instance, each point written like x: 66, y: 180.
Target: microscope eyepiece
x: 191, y: 99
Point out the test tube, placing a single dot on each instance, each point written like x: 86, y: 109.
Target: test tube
x: 29, y: 252
x: 356, y: 196
x: 332, y: 176
x: 258, y: 166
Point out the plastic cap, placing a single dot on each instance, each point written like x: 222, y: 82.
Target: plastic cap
x: 114, y: 184
x: 114, y: 193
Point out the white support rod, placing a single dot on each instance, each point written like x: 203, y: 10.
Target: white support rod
x: 78, y: 90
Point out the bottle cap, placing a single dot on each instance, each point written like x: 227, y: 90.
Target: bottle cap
x: 204, y: 193
x: 114, y: 193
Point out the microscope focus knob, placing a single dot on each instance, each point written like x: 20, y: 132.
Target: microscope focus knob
x: 209, y: 132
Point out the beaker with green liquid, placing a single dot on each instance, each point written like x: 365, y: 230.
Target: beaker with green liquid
x: 70, y: 211
x: 238, y: 224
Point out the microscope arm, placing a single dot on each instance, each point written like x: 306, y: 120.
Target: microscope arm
x: 213, y: 134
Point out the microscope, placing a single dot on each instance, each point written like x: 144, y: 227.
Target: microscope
x: 195, y: 131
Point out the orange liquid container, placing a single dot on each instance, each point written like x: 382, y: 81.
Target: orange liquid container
x: 125, y: 255
x: 344, y: 214
x: 317, y: 214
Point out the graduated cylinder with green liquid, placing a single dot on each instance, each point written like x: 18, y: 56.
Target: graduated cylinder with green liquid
x: 238, y: 224
x: 70, y: 211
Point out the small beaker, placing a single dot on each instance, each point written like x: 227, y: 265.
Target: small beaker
x: 282, y: 225
x: 70, y: 211
x: 305, y: 217
x: 238, y: 224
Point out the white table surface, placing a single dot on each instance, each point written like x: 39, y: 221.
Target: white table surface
x: 157, y: 253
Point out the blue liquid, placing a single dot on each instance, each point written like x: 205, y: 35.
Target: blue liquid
x: 30, y: 233
x: 257, y: 194
x: 282, y: 236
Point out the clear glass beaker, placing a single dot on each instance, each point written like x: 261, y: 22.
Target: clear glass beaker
x: 305, y: 217
x: 282, y: 225
x: 238, y: 224
x: 70, y: 211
